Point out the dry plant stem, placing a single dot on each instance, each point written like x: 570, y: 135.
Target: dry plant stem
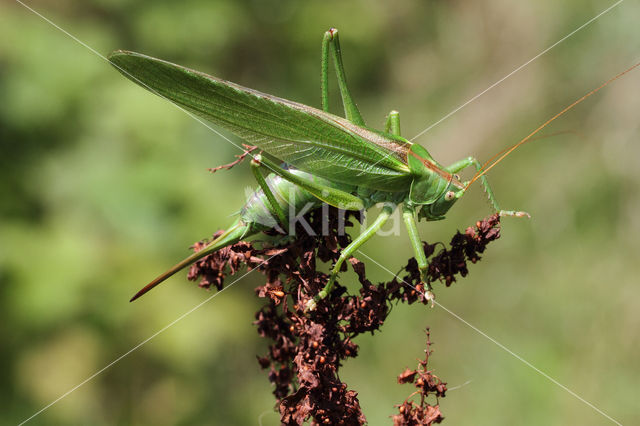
x: 308, y: 349
x: 422, y: 413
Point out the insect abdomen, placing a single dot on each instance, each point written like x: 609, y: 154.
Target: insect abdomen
x: 292, y: 199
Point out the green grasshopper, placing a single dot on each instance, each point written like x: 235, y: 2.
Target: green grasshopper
x: 339, y: 161
x: 335, y: 160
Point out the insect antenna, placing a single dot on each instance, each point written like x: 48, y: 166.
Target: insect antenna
x: 537, y: 138
x: 504, y: 153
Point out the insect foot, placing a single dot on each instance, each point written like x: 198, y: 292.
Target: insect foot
x: 430, y: 297
x: 311, y: 305
x: 513, y: 213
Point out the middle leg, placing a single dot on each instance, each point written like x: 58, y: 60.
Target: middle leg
x: 387, y: 211
x: 409, y: 216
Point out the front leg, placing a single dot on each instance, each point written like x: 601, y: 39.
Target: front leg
x: 472, y: 161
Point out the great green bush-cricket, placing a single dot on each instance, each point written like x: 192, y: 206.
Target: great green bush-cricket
x: 329, y: 159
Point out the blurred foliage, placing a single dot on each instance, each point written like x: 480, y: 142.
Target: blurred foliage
x: 104, y: 185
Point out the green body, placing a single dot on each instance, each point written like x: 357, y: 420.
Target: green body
x: 339, y: 160
x: 258, y: 215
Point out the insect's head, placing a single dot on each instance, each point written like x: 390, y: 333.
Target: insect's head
x: 440, y: 207
x: 433, y: 188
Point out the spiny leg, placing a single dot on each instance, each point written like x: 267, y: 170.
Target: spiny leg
x: 472, y: 161
x: 393, y: 123
x: 384, y: 215
x: 330, y: 42
x: 324, y: 72
x: 256, y: 163
x: 409, y: 217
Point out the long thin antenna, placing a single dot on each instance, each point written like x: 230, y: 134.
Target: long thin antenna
x: 486, y: 168
x: 537, y: 138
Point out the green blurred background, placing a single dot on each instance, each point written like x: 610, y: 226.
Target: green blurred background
x: 104, y: 185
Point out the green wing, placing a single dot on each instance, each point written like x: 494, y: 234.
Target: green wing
x: 310, y: 139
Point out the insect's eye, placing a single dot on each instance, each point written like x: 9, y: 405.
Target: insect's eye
x: 450, y: 195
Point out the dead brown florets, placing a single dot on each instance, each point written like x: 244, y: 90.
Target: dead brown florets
x: 307, y: 349
x: 412, y: 413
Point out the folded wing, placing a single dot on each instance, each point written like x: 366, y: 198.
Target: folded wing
x: 310, y: 139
